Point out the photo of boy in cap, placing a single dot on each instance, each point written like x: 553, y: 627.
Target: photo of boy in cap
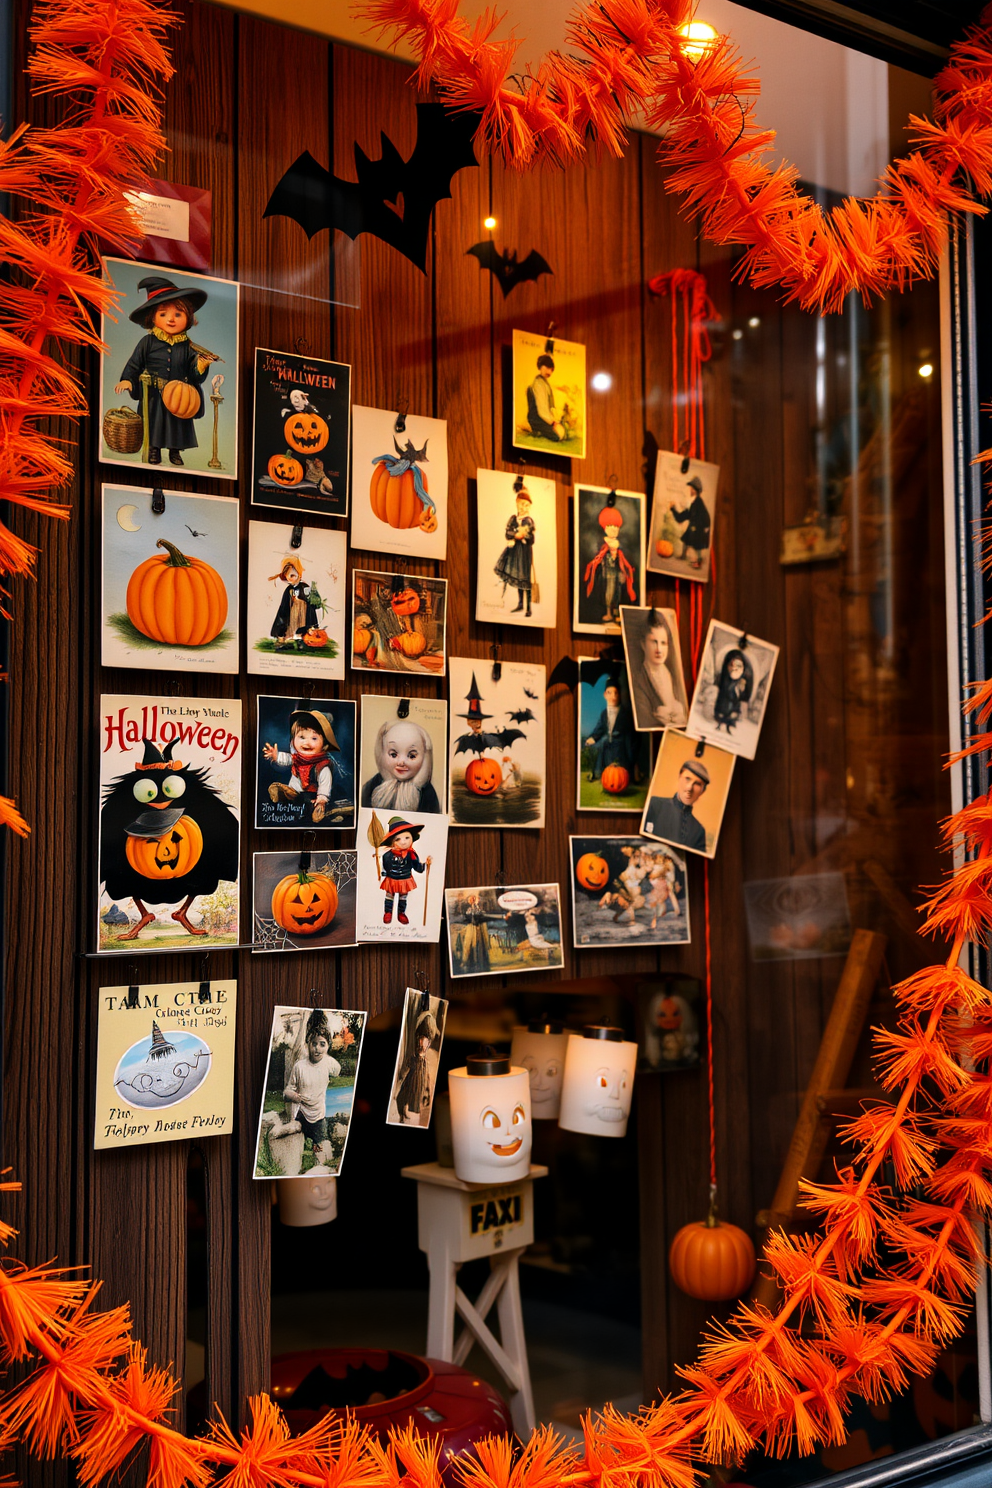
x: 688, y: 794
x: 311, y: 769
x: 399, y: 863
x: 696, y: 537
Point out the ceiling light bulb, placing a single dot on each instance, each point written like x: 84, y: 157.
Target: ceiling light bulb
x: 926, y: 370
x: 699, y: 39
x: 737, y: 333
x: 754, y: 322
x: 489, y: 223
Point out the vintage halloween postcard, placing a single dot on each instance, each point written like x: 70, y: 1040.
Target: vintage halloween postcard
x: 309, y: 1092
x: 672, y: 1017
x: 517, y: 570
x: 688, y: 794
x: 654, y: 668
x: 614, y: 760
x: 418, y: 1056
x: 297, y: 599
x: 626, y: 891
x: 301, y: 433
x: 682, y: 515
x: 404, y: 756
x: 170, y: 797
x: 305, y: 765
x: 399, y: 483
x: 398, y: 623
x: 731, y: 695
x: 496, y: 929
x: 170, y: 581
x: 549, y: 395
x: 609, y: 558
x: 169, y: 376
x: 401, y: 856
x: 496, y: 733
x: 303, y: 901
x: 164, y: 1063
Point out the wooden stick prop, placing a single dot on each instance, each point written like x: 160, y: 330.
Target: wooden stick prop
x: 376, y: 833
x: 427, y: 886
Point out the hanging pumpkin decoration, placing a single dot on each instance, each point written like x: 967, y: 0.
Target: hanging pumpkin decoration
x: 170, y: 856
x: 285, y: 470
x: 411, y: 643
x: 177, y: 600
x: 315, y: 638
x: 592, y: 871
x: 307, y: 433
x: 615, y: 779
x: 483, y: 776
x: 304, y: 903
x: 181, y: 399
x: 398, y: 490
x: 712, y: 1260
x: 405, y: 601
x: 664, y: 548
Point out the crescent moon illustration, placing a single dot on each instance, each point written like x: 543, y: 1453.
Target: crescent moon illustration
x: 125, y: 519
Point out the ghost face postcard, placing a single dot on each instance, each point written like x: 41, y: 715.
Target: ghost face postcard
x: 169, y: 376
x: 614, y: 760
x: 170, y: 581
x: 735, y: 678
x: 398, y: 623
x: 549, y: 395
x: 609, y: 557
x: 309, y: 1092
x: 164, y: 1063
x: 170, y: 788
x: 517, y: 573
x: 401, y: 857
x: 418, y: 1055
x: 305, y: 770
x: 688, y: 794
x: 399, y: 484
x: 301, y: 433
x: 495, y: 930
x: 497, y: 761
x: 404, y: 756
x: 654, y: 668
x: 297, y: 600
x: 303, y: 901
x: 682, y: 515
x: 626, y: 891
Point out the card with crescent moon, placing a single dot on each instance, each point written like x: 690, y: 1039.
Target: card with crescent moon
x: 295, y: 615
x: 399, y: 483
x: 169, y: 377
x: 301, y: 434
x: 170, y: 581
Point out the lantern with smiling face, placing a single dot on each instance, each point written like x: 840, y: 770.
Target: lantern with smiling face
x: 540, y: 1050
x: 598, y: 1082
x: 490, y: 1119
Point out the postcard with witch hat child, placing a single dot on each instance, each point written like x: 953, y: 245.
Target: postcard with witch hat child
x: 296, y: 601
x: 399, y: 483
x: 401, y: 857
x: 169, y: 376
x: 301, y: 433
x: 170, y: 784
x: 305, y: 772
x: 496, y: 762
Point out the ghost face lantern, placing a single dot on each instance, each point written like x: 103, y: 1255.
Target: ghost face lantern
x: 540, y: 1050
x: 598, y: 1083
x: 490, y: 1119
x: 310, y: 1200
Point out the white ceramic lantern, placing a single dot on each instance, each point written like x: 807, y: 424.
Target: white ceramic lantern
x: 310, y: 1200
x: 598, y: 1083
x: 540, y: 1050
x: 490, y: 1119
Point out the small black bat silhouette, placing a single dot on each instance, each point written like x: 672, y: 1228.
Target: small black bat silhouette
x: 479, y: 743
x: 393, y: 198
x: 193, y: 532
x: 504, y: 267
x: 528, y: 693
x: 524, y: 715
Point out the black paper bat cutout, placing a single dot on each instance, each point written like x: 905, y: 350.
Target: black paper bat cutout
x: 504, y: 267
x: 479, y: 743
x: 528, y: 693
x: 610, y: 663
x: 524, y: 715
x: 393, y: 198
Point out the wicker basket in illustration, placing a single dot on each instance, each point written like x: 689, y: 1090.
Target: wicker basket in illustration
x: 122, y: 430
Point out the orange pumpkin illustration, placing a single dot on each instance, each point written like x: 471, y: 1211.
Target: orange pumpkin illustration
x: 170, y: 856
x: 181, y: 399
x: 307, y: 433
x: 483, y: 776
x: 361, y: 636
x: 394, y: 497
x: 664, y: 548
x: 304, y: 903
x: 592, y: 871
x: 285, y: 470
x: 615, y: 779
x: 315, y: 638
x: 177, y: 600
x: 411, y: 643
x: 405, y: 602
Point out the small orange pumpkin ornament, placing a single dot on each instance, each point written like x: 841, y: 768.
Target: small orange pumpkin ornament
x: 405, y: 602
x: 592, y: 871
x: 182, y: 399
x: 664, y: 548
x: 615, y: 779
x: 307, y: 433
x: 361, y: 636
x: 315, y: 638
x: 285, y: 470
x: 712, y: 1260
x: 483, y: 776
x: 411, y: 643
x: 304, y: 903
x: 177, y: 600
x: 170, y: 856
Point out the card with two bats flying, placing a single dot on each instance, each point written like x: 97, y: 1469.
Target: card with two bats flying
x: 301, y: 434
x: 517, y: 575
x: 399, y: 483
x: 170, y: 786
x: 497, y: 758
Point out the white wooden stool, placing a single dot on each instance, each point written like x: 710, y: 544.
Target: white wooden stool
x: 461, y: 1222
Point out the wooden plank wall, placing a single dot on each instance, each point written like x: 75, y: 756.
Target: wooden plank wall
x: 248, y: 97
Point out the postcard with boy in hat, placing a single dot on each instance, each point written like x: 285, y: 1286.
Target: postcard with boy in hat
x: 688, y: 794
x: 306, y: 763
x: 401, y: 860
x: 682, y: 517
x: 181, y: 395
x: 418, y: 1054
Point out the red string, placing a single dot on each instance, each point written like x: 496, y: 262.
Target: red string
x: 709, y: 1030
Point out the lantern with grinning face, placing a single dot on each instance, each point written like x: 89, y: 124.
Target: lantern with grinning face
x: 490, y: 1119
x: 598, y: 1082
x: 540, y: 1050
x: 304, y: 903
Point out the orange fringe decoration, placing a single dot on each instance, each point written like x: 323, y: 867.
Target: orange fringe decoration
x: 630, y: 55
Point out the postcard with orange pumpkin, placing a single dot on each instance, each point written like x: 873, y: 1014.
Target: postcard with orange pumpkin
x: 497, y: 763
x: 295, y: 616
x: 170, y: 580
x: 301, y: 433
x: 399, y: 483
x: 627, y: 891
x: 303, y: 901
x: 305, y: 766
x: 398, y: 623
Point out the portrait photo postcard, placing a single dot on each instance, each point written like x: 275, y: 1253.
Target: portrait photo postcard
x: 170, y: 581
x: 517, y: 551
x: 398, y: 623
x: 688, y: 794
x: 609, y: 557
x: 305, y: 764
x: 399, y: 483
x: 672, y: 1016
x: 169, y: 376
x: 296, y: 614
x: 418, y: 1057
x: 494, y: 929
x: 731, y: 695
x: 683, y: 511
x: 303, y: 901
x: 170, y: 802
x: 626, y: 891
x: 654, y: 668
x: 614, y: 760
x: 401, y: 857
x: 164, y: 1063
x: 404, y: 754
x: 301, y: 433
x: 497, y: 764
x: 309, y: 1092
x: 549, y: 395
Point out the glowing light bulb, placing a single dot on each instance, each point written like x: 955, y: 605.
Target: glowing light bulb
x: 602, y: 381
x: 699, y: 39
x: 737, y: 333
x: 489, y: 223
x: 926, y: 370
x: 754, y: 322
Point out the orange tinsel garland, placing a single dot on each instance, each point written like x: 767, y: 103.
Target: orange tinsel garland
x: 630, y: 55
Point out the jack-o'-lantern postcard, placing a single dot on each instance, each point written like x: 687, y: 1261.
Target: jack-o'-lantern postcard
x: 399, y: 622
x: 301, y: 433
x: 297, y: 600
x: 497, y: 763
x: 303, y: 901
x: 305, y: 764
x: 399, y: 483
x: 170, y: 798
x: 628, y: 892
x: 170, y: 581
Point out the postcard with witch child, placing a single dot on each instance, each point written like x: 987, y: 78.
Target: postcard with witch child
x: 296, y: 601
x: 301, y: 433
x: 401, y: 856
x: 497, y: 758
